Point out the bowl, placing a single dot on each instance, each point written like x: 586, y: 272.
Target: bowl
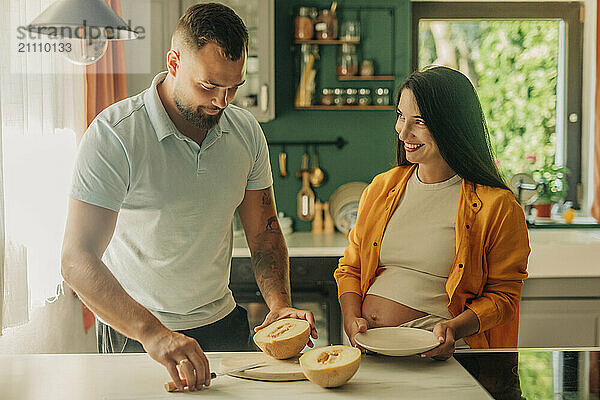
x: 343, y: 205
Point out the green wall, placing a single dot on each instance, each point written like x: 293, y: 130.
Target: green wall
x: 385, y: 27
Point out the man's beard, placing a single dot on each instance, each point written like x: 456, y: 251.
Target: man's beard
x: 197, y: 117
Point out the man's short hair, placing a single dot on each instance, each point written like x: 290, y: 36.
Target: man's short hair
x: 213, y: 22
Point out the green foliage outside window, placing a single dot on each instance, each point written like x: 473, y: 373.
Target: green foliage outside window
x: 535, y: 374
x: 514, y: 67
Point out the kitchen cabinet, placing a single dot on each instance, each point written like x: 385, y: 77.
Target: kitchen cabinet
x: 560, y: 312
x: 147, y: 56
x: 560, y: 303
x: 313, y: 288
x: 258, y: 93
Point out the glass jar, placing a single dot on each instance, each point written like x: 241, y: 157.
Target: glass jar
x: 309, y: 56
x: 351, y: 97
x: 339, y: 98
x: 382, y: 96
x: 304, y: 23
x: 367, y: 68
x: 347, y: 60
x: 350, y: 31
x: 326, y: 26
x: 364, y: 97
x: 327, y: 97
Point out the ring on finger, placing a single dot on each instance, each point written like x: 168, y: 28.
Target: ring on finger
x: 185, y: 360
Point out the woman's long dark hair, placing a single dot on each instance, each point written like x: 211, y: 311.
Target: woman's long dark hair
x: 451, y: 110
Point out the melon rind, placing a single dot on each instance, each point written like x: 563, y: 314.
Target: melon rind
x: 286, y: 347
x: 334, y: 375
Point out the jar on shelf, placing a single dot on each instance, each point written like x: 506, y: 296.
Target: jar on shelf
x: 382, y: 96
x: 327, y: 97
x: 351, y: 97
x: 339, y: 97
x: 326, y: 25
x: 347, y: 60
x: 364, y: 97
x: 350, y: 31
x: 309, y: 56
x: 304, y: 23
x: 367, y: 68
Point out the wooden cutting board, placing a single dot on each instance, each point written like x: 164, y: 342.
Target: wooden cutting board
x: 275, y: 370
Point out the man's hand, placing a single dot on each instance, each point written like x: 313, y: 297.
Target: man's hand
x: 289, y: 312
x: 176, y: 351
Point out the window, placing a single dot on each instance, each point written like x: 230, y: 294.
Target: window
x: 525, y: 60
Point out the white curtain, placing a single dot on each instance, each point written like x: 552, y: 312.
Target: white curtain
x: 42, y: 111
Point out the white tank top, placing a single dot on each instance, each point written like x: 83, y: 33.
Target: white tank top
x: 418, y: 246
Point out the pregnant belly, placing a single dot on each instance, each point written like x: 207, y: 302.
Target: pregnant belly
x: 379, y: 312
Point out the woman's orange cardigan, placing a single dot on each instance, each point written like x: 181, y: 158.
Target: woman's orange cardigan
x: 489, y: 267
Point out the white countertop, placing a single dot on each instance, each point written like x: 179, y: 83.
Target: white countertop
x: 555, y: 253
x: 137, y: 376
x: 303, y: 244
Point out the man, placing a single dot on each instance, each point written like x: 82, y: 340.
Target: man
x: 158, y: 178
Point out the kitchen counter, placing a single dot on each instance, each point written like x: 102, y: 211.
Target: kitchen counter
x: 555, y: 253
x: 303, y: 244
x: 471, y: 374
x: 137, y: 376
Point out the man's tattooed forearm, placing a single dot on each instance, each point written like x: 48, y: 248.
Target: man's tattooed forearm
x: 271, y: 266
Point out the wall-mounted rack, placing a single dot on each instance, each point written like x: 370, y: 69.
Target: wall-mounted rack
x: 340, y: 142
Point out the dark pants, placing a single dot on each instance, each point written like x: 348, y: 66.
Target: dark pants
x: 231, y: 333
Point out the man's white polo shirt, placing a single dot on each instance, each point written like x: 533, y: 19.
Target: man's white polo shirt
x: 171, y: 250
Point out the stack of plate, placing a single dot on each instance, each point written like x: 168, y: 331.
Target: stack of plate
x: 343, y: 205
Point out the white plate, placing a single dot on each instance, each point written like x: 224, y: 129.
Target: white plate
x: 397, y: 341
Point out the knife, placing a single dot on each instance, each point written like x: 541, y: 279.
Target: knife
x: 171, y: 387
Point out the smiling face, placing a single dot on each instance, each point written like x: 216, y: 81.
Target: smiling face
x: 412, y: 131
x: 205, y: 82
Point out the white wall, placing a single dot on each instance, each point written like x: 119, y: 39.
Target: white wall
x: 588, y: 102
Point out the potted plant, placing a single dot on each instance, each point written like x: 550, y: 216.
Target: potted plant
x: 552, y: 187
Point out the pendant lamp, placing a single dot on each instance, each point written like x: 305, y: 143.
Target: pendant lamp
x: 84, y: 26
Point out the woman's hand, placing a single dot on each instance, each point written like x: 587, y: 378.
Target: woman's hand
x: 354, y: 326
x: 445, y: 334
x: 448, y: 332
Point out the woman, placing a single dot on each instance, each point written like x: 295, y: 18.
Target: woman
x: 440, y: 242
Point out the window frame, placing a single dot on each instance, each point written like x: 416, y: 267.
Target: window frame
x: 572, y: 14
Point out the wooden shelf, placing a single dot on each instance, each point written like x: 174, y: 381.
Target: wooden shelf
x: 346, y: 108
x: 327, y: 41
x: 367, y: 78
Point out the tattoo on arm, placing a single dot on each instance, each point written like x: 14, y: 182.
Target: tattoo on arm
x: 270, y: 264
x: 267, y: 199
x: 272, y: 224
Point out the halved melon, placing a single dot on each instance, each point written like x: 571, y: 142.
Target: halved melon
x: 284, y: 338
x: 330, y: 366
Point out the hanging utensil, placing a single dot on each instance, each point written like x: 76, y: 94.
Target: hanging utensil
x: 283, y: 163
x: 304, y: 165
x: 306, y: 199
x: 317, y: 175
